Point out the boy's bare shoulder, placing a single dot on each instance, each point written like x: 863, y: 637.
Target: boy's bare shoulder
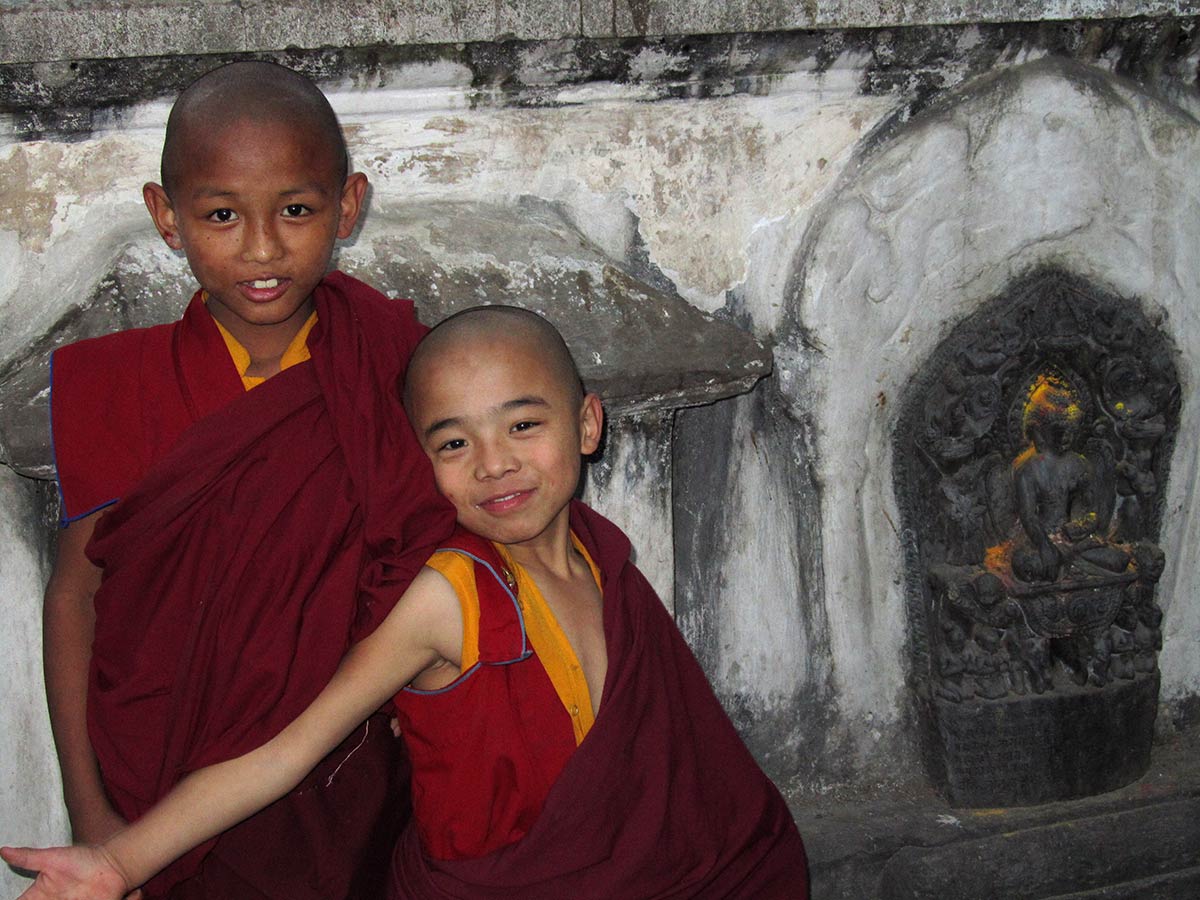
x: 431, y: 605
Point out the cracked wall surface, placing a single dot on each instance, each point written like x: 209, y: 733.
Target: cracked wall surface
x: 1047, y: 163
x: 44, y: 30
x: 841, y: 196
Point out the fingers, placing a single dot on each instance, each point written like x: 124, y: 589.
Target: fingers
x: 21, y: 857
x: 69, y: 873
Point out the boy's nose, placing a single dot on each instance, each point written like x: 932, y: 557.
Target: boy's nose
x: 494, y: 461
x: 261, y: 242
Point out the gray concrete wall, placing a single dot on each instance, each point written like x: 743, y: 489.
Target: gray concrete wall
x: 31, y: 807
x: 46, y: 30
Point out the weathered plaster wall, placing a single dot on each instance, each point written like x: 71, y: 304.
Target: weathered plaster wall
x: 41, y: 30
x: 1043, y: 163
x: 30, y: 808
x: 825, y: 191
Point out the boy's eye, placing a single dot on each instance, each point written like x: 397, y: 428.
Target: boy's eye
x: 525, y: 426
x: 453, y: 444
x: 223, y: 215
x: 292, y: 210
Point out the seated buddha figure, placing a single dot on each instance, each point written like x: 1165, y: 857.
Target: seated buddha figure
x: 1061, y: 499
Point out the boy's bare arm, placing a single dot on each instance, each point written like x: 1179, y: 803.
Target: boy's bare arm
x: 425, y: 626
x: 68, y: 627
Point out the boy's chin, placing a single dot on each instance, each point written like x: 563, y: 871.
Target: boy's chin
x: 513, y: 535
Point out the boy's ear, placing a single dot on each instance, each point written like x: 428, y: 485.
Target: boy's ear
x: 352, y: 199
x: 162, y: 213
x: 591, y: 423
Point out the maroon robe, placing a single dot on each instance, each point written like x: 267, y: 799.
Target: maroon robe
x: 502, y: 715
x: 256, y: 536
x: 661, y: 800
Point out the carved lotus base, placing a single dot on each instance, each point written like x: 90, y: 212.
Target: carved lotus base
x: 1069, y: 608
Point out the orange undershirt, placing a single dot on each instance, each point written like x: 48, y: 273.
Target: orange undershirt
x: 549, y: 642
x: 296, y: 352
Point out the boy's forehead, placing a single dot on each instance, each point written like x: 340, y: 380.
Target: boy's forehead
x: 216, y: 133
x: 487, y: 357
x: 485, y: 364
x: 204, y: 146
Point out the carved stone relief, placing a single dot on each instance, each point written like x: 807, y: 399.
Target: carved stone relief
x: 1030, y: 461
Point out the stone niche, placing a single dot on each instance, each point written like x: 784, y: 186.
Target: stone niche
x: 1031, y: 460
x: 642, y: 348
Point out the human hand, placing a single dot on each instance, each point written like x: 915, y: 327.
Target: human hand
x: 70, y: 873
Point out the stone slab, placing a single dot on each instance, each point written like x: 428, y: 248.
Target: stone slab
x: 638, y: 346
x: 860, y: 849
x: 1074, y: 857
x: 1054, y: 746
x: 1170, y: 886
x: 50, y: 30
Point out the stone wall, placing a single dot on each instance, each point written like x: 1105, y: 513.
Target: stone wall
x: 30, y: 788
x: 842, y: 195
x: 993, y: 180
x: 44, y: 30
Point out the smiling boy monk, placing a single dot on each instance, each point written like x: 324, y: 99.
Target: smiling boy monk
x: 565, y: 743
x: 222, y: 546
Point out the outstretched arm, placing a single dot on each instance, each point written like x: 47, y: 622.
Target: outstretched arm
x: 424, y: 626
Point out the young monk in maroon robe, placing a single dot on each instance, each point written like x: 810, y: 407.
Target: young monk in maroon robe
x: 223, y: 547
x: 564, y: 740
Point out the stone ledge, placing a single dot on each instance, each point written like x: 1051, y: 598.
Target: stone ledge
x: 1145, y: 851
x: 53, y: 30
x: 919, y: 846
x: 638, y: 346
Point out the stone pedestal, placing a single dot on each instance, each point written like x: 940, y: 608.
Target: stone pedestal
x: 1018, y: 751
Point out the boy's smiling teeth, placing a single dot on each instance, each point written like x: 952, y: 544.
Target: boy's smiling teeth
x: 507, y: 498
x: 265, y: 284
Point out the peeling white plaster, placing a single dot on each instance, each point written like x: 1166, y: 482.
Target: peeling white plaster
x: 742, y: 194
x: 30, y: 787
x: 1041, y: 170
x: 632, y: 486
x: 653, y: 62
x: 764, y: 651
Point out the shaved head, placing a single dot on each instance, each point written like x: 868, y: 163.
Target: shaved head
x: 490, y: 324
x: 257, y: 91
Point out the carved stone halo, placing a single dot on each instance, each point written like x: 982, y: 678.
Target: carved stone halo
x: 1057, y: 376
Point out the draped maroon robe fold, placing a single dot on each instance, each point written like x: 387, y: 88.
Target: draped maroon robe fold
x: 661, y: 800
x: 275, y: 528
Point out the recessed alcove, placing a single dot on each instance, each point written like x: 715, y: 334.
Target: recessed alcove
x: 1032, y: 453
x: 642, y: 348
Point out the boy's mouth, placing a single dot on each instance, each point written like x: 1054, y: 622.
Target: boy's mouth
x: 505, y: 502
x: 264, y: 290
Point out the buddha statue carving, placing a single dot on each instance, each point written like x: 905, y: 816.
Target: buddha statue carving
x: 1064, y: 499
x: 1031, y: 457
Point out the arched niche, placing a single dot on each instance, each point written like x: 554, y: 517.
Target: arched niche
x: 1031, y: 458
